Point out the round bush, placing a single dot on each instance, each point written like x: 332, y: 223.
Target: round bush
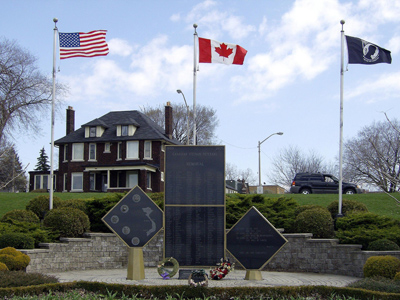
x: 3, y: 267
x: 74, y: 203
x: 70, y: 222
x: 317, y: 221
x: 347, y: 207
x: 17, y: 240
x: 302, y: 208
x: 40, y: 205
x: 383, y: 245
x: 14, y: 260
x: 397, y: 276
x: 384, y: 266
x: 20, y: 215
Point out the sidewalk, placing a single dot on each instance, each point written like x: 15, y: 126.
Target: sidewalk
x: 235, y: 278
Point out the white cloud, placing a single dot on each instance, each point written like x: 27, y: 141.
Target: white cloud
x: 119, y: 47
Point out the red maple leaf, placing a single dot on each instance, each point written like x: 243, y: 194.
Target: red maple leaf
x: 223, y: 50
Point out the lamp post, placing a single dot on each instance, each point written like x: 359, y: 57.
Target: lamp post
x: 260, y: 188
x: 187, y: 107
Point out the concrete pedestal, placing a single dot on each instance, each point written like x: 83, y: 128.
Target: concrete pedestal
x: 135, y: 264
x: 253, y: 275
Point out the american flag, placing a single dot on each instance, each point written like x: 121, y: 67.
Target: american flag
x: 80, y: 44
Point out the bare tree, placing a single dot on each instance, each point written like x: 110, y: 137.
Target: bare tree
x: 292, y: 160
x: 373, y: 156
x: 233, y: 173
x: 24, y: 91
x: 206, y: 122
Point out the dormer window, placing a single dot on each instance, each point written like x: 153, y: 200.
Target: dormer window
x: 92, y: 131
x: 124, y: 130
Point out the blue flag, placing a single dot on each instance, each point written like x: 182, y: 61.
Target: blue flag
x: 366, y: 53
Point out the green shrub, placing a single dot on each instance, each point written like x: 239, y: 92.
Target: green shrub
x: 348, y: 206
x: 14, y: 260
x: 385, y: 266
x: 379, y: 284
x: 98, y: 208
x: 40, y: 234
x: 40, y: 205
x: 18, y: 278
x: 158, y: 198
x: 364, y: 237
x: 365, y: 220
x: 69, y: 222
x: 20, y: 215
x: 3, y: 267
x: 318, y: 221
x: 397, y: 277
x: 383, y: 245
x: 17, y: 240
x: 302, y: 208
x: 74, y: 203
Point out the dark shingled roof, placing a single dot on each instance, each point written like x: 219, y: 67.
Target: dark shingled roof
x: 147, y: 129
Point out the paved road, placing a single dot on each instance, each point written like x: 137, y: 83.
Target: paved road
x: 235, y: 278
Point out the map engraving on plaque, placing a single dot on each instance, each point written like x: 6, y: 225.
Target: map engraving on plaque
x: 253, y: 240
x: 135, y: 219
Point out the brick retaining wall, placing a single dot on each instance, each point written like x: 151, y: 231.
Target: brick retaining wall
x: 106, y: 251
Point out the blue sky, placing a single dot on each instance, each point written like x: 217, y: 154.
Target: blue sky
x: 290, y: 80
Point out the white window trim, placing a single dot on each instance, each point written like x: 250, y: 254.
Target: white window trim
x: 65, y: 182
x: 136, y: 147
x: 105, y: 147
x: 119, y: 157
x: 72, y: 181
x: 151, y: 150
x: 148, y: 178
x: 65, y: 153
x: 73, y: 152
x: 95, y: 150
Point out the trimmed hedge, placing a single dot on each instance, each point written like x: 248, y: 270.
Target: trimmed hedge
x: 14, y: 260
x: 69, y: 222
x: 40, y: 205
x: 17, y: 240
x: 318, y: 221
x: 385, y: 266
x: 348, y: 206
x: 383, y: 245
x: 20, y: 215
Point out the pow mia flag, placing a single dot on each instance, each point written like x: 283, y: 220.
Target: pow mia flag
x: 366, y: 53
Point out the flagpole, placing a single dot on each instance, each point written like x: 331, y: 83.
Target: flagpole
x: 341, y: 122
x: 195, y: 37
x: 55, y: 20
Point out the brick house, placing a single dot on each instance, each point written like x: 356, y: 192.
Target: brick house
x: 112, y: 153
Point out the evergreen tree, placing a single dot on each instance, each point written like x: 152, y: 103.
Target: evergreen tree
x: 43, y: 162
x: 12, y: 174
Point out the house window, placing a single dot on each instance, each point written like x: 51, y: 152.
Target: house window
x: 77, y: 182
x: 147, y: 149
x: 41, y: 182
x: 162, y: 176
x: 92, y: 179
x: 107, y: 147
x: 65, y: 182
x: 119, y: 151
x: 132, y: 179
x: 132, y: 150
x: 92, y: 151
x: 124, y: 130
x: 92, y: 131
x: 77, y: 151
x: 66, y: 152
x: 148, y: 181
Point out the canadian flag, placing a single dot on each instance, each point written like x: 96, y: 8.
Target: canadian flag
x: 211, y: 51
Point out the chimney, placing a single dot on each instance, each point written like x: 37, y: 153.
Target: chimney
x: 168, y: 120
x: 70, y: 120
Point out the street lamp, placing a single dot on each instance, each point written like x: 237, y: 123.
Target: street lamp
x: 260, y: 188
x: 187, y: 107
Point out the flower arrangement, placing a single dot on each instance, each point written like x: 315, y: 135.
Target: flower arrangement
x: 168, y: 268
x: 222, y: 270
x: 198, y: 278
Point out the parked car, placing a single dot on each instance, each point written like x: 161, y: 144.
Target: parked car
x: 320, y: 183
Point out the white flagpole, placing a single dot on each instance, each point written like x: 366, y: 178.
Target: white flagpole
x: 194, y: 83
x: 55, y: 20
x: 341, y: 122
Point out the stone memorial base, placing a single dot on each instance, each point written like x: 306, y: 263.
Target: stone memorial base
x: 135, y: 264
x: 253, y: 275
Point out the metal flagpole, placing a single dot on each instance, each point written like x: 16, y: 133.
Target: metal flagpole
x: 55, y: 20
x: 341, y: 122
x: 194, y: 83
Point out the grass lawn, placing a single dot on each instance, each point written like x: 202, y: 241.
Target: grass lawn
x: 378, y: 203
x: 11, y: 201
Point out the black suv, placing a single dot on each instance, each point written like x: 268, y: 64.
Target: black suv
x: 319, y: 183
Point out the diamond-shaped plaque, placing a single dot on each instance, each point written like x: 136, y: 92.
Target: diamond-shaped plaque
x: 253, y: 240
x: 135, y: 219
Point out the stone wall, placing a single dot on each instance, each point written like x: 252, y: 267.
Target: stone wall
x: 302, y: 253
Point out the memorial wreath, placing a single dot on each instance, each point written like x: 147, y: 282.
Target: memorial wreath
x: 198, y: 278
x: 222, y: 270
x: 168, y: 268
